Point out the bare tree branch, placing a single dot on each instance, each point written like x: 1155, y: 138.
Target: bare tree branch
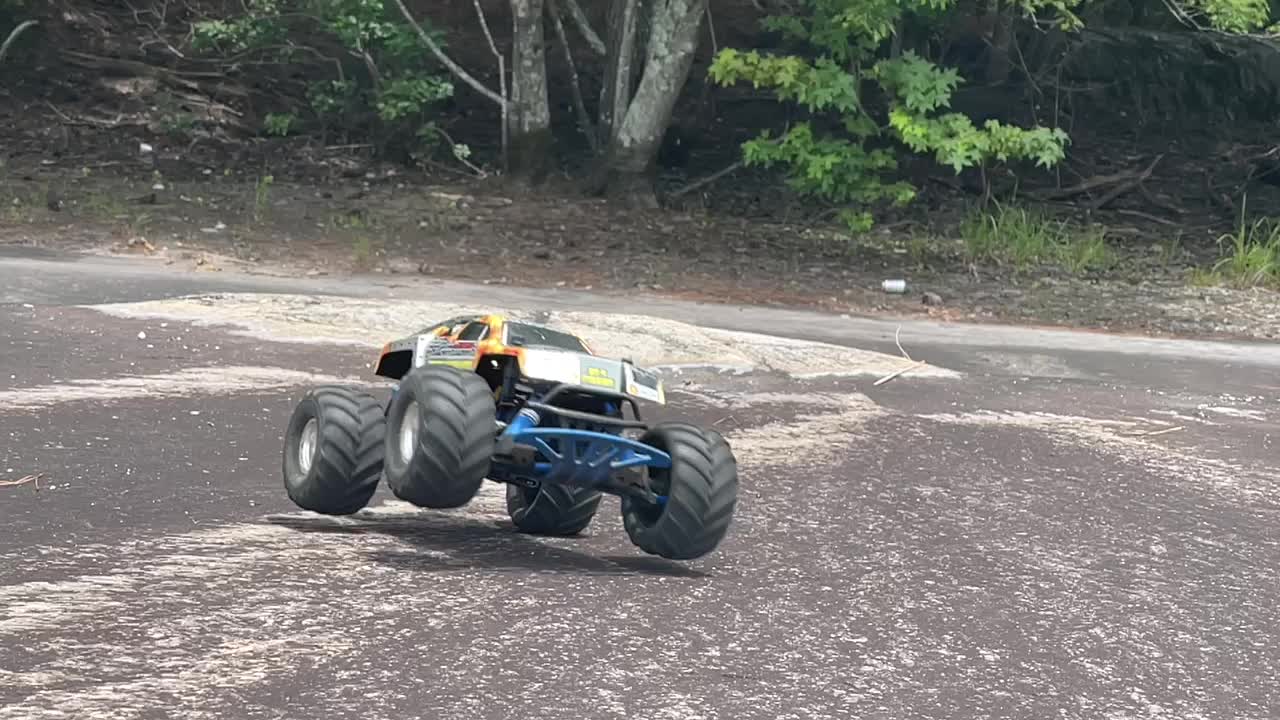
x: 502, y: 81
x: 584, y: 119
x: 448, y: 62
x: 584, y: 26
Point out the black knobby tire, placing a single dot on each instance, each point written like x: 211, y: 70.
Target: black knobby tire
x: 347, y: 458
x: 702, y: 493
x: 455, y: 437
x: 552, y: 509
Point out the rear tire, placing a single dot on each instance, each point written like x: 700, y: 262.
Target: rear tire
x: 333, y: 450
x: 702, y: 493
x: 439, y: 459
x: 552, y: 509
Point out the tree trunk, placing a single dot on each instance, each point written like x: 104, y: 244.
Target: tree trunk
x: 627, y: 169
x: 999, y: 62
x: 529, y: 122
x: 620, y: 63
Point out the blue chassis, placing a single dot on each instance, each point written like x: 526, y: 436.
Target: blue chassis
x: 569, y: 456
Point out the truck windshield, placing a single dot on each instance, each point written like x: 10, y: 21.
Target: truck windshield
x: 536, y: 336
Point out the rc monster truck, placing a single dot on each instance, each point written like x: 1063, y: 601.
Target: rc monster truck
x: 484, y: 397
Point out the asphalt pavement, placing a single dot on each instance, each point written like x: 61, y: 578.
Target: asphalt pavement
x: 1050, y: 525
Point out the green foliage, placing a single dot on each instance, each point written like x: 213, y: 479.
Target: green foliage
x: 406, y: 96
x: 378, y: 69
x: 1234, y: 16
x: 279, y: 124
x: 854, y: 166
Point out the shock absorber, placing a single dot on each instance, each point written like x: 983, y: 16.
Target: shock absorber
x: 523, y: 420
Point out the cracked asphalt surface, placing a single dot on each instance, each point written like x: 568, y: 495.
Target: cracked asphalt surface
x: 1077, y: 526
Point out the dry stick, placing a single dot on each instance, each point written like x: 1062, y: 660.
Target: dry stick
x: 897, y: 334
x: 1089, y: 185
x: 447, y: 61
x: 1148, y: 216
x: 706, y: 180
x: 22, y: 27
x: 34, y: 478
x: 1160, y: 203
x: 914, y: 363
x: 1153, y: 433
x: 1127, y: 185
x: 584, y: 26
x: 502, y: 83
x: 899, y: 371
x: 588, y: 128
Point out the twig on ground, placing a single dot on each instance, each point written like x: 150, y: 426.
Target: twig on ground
x: 899, y: 371
x: 1151, y: 198
x: 913, y: 363
x: 706, y: 180
x: 1126, y: 177
x: 33, y: 478
x: 1149, y: 216
x: 897, y: 334
x: 1127, y: 184
x: 1153, y: 433
x: 89, y: 122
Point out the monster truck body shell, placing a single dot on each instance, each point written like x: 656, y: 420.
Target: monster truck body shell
x: 496, y: 348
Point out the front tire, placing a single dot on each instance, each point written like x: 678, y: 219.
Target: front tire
x: 552, y: 509
x: 440, y: 437
x: 702, y: 493
x: 333, y: 450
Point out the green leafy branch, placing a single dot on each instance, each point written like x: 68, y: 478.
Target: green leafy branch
x: 853, y: 167
x: 399, y: 83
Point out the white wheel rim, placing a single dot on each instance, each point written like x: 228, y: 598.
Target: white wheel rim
x: 409, y: 431
x: 307, y: 445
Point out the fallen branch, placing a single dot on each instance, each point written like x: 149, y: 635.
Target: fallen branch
x: 897, y: 334
x: 1149, y: 216
x: 34, y: 478
x: 1127, y: 185
x: 706, y: 180
x: 1153, y: 433
x: 447, y: 61
x: 1095, y: 183
x: 579, y: 105
x: 137, y: 67
x: 1160, y: 203
x: 913, y: 363
x: 899, y: 371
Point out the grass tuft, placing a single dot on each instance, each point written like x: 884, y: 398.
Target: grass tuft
x: 1023, y: 238
x: 1252, y: 257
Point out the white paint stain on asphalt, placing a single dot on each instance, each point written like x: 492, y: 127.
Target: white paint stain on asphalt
x: 208, y: 380
x: 647, y: 340
x: 1141, y: 443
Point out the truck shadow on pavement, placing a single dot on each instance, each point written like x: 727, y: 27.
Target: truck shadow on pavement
x: 450, y: 543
